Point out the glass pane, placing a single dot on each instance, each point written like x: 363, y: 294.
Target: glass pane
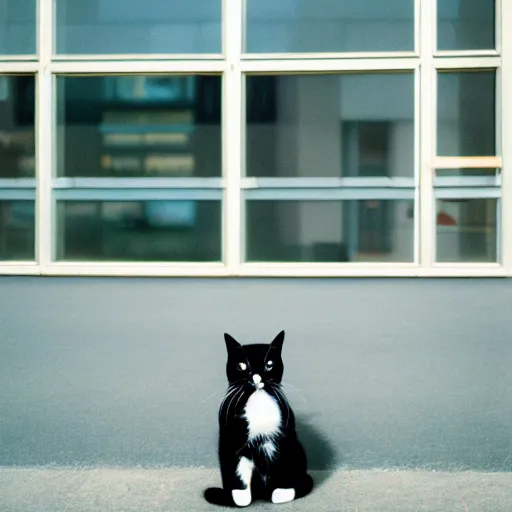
x: 467, y: 172
x: 329, y: 26
x: 139, y: 126
x: 17, y: 145
x: 466, y: 230
x: 143, y: 26
x: 139, y: 230
x: 466, y: 119
x: 465, y: 24
x: 330, y: 125
x: 17, y: 27
x: 330, y: 231
x: 17, y: 230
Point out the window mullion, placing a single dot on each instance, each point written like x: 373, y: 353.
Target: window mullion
x: 232, y: 139
x: 505, y: 116
x: 44, y: 131
x: 427, y: 131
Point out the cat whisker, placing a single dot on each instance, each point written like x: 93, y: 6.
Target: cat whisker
x: 279, y: 392
x: 241, y: 390
x: 229, y: 395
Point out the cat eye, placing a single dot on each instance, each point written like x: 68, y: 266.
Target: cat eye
x: 269, y: 366
x: 242, y: 367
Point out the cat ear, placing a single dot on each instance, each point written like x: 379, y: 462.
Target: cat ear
x: 278, y: 341
x: 231, y: 343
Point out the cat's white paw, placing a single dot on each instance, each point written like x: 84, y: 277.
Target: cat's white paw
x: 242, y: 498
x: 283, y: 495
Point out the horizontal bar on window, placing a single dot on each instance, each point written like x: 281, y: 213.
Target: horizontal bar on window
x: 467, y: 193
x: 328, y: 55
x: 138, y: 67
x: 348, y: 182
x: 7, y: 67
x: 467, y: 162
x: 18, y: 183
x: 327, y: 194
x: 467, y: 181
x: 329, y: 65
x: 59, y: 57
x: 136, y: 194
x: 137, y: 183
x: 446, y: 54
x: 17, y: 194
x: 448, y: 63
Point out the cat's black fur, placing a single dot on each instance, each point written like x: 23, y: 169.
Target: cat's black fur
x: 287, y: 467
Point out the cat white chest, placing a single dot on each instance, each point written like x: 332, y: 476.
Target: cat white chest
x: 262, y: 414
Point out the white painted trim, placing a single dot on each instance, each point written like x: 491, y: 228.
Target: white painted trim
x: 428, y: 101
x: 328, y: 55
x: 232, y: 135
x: 18, y: 67
x: 467, y: 162
x: 136, y: 194
x: 463, y: 54
x: 136, y: 183
x: 18, y: 183
x: 272, y: 270
x: 328, y: 194
x: 506, y: 132
x: 349, y: 182
x: 44, y: 133
x: 467, y: 181
x: 329, y: 65
x: 61, y: 57
x: 468, y: 193
x: 464, y: 63
x: 138, y: 67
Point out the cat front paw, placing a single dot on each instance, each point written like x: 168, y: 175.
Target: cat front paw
x: 283, y: 495
x: 242, y: 498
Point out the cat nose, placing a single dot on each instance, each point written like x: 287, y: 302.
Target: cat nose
x: 256, y: 378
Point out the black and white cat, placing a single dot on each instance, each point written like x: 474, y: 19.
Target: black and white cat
x: 259, y: 453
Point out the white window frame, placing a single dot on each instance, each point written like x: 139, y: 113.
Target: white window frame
x: 233, y: 65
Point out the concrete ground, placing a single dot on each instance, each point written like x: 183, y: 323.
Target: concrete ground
x: 141, y: 490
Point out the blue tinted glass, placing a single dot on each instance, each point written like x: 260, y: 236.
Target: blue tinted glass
x: 329, y: 26
x: 138, y: 26
x: 17, y: 27
x: 465, y: 24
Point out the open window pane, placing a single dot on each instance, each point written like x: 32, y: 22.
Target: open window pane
x: 17, y: 230
x: 139, y: 26
x: 466, y: 113
x: 17, y: 27
x: 465, y: 24
x: 466, y: 230
x: 139, y: 230
x: 337, y: 125
x: 330, y: 231
x: 139, y: 126
x: 17, y: 145
x: 329, y: 26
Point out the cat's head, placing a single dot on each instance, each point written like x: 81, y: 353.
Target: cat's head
x: 255, y: 364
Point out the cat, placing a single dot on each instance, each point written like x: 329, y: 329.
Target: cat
x: 259, y: 453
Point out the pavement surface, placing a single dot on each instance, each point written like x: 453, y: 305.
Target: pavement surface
x: 158, y: 490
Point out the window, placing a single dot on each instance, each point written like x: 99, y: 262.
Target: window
x: 249, y: 137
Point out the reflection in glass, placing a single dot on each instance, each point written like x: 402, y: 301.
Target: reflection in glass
x: 139, y: 126
x: 466, y: 118
x: 329, y: 26
x: 17, y: 27
x: 330, y: 125
x: 141, y: 26
x: 17, y: 230
x: 139, y: 231
x: 467, y: 172
x: 330, y: 231
x: 466, y: 230
x: 17, y: 146
x: 465, y: 24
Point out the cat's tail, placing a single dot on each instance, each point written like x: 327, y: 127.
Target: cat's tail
x: 303, y: 487
x: 217, y: 496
